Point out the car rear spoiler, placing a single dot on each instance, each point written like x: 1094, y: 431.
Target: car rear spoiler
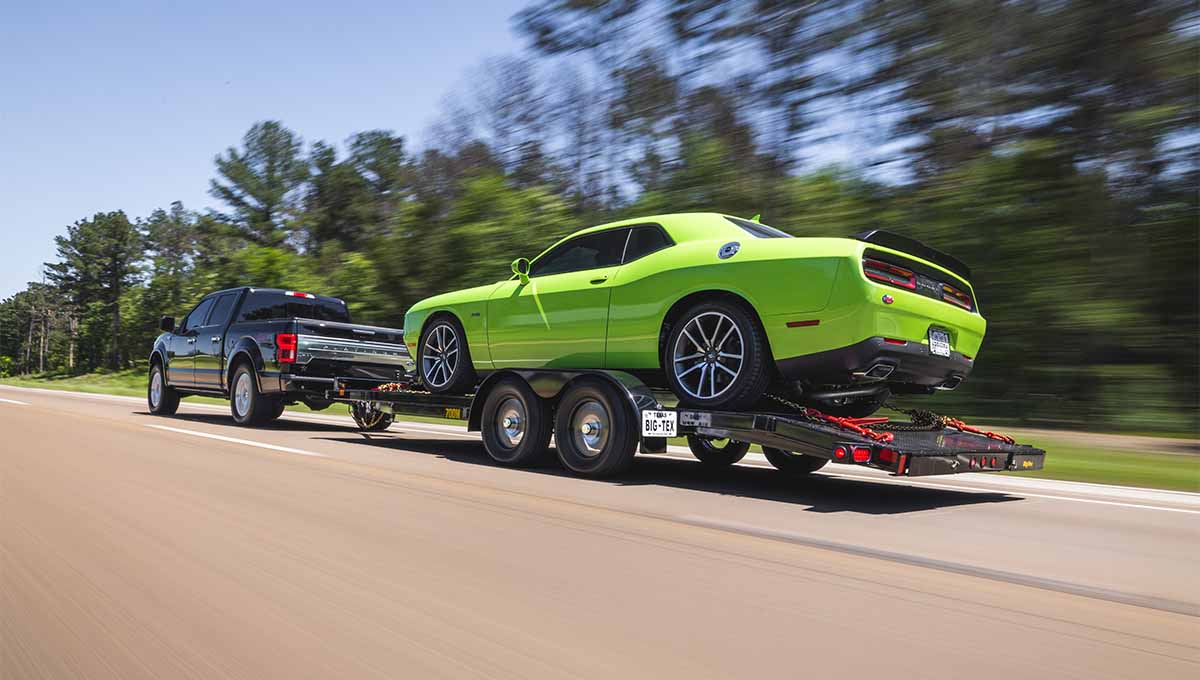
x: 914, y: 247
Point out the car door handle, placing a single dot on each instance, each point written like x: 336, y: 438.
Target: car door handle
x: 216, y: 338
x: 191, y: 341
x: 601, y: 279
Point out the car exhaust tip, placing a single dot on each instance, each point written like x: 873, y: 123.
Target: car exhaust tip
x: 951, y: 383
x: 875, y: 372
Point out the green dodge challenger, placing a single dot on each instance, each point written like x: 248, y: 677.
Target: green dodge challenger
x: 719, y: 309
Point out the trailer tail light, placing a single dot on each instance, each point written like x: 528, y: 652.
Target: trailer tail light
x: 887, y: 455
x: 889, y: 273
x: 956, y: 297
x: 839, y: 454
x: 285, y: 348
x: 862, y: 454
x: 296, y: 293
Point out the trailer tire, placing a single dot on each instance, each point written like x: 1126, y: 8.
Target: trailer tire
x: 706, y: 450
x: 248, y: 406
x: 595, y: 431
x: 162, y: 399
x: 798, y: 464
x: 516, y: 424
x: 371, y: 420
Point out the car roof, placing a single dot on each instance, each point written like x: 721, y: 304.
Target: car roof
x: 693, y: 226
x: 255, y: 289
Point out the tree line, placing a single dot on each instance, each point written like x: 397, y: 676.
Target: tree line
x: 1050, y: 145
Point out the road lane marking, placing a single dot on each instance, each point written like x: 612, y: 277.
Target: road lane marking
x: 14, y: 401
x: 245, y: 442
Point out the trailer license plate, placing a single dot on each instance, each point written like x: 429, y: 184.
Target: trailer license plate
x: 659, y: 424
x: 939, y: 342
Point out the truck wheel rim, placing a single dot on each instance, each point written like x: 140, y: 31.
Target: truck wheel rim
x: 155, y: 388
x: 241, y: 394
x: 439, y: 357
x: 511, y: 422
x: 590, y: 425
x: 708, y: 355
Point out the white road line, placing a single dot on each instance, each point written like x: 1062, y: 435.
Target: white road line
x: 14, y: 401
x: 246, y: 442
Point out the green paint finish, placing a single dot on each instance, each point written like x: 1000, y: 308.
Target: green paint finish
x: 614, y: 316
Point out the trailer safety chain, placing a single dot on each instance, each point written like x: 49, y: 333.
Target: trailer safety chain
x: 922, y: 420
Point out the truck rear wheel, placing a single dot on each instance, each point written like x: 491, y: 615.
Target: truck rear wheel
x: 793, y: 463
x: 249, y: 406
x: 717, y: 452
x: 161, y: 397
x: 595, y: 432
x: 516, y: 424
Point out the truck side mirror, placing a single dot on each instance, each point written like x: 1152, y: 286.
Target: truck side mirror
x: 167, y: 323
x: 520, y: 267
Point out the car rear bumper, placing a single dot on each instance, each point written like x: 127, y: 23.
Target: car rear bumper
x: 876, y: 359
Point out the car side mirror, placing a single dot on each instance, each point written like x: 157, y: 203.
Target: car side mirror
x: 520, y: 267
x: 167, y: 323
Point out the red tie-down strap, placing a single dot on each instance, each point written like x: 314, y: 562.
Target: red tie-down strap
x: 963, y: 427
x: 391, y: 387
x: 855, y: 425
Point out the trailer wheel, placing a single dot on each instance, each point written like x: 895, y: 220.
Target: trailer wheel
x: 371, y: 419
x: 717, y: 452
x: 793, y: 463
x: 161, y: 397
x: 516, y: 424
x: 594, y: 431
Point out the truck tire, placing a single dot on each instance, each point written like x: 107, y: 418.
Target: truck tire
x: 595, y: 431
x: 248, y: 406
x: 711, y: 454
x: 516, y: 424
x: 798, y: 464
x: 443, y: 358
x: 161, y: 397
x: 276, y: 410
x: 717, y: 357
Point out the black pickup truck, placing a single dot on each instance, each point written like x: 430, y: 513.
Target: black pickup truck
x: 265, y: 348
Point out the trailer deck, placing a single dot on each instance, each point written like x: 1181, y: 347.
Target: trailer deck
x: 901, y: 448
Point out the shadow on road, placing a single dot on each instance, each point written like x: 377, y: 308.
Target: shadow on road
x: 281, y: 425
x: 821, y: 493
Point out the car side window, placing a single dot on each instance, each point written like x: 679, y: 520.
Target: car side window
x: 263, y: 306
x: 196, y: 317
x: 645, y: 240
x: 590, y: 251
x: 219, y: 315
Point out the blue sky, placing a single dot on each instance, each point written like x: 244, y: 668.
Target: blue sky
x: 122, y: 105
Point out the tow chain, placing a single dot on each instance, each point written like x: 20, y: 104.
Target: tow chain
x: 921, y: 420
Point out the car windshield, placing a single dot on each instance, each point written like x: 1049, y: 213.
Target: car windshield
x: 265, y: 305
x: 758, y: 230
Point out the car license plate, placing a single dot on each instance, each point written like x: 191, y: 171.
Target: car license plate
x: 939, y: 342
x: 659, y: 424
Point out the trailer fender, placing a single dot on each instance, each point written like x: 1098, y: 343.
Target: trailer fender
x: 549, y: 383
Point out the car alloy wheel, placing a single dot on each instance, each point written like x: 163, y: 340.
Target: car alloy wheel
x: 439, y: 357
x: 708, y: 355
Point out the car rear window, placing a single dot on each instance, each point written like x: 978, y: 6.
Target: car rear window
x: 263, y: 306
x: 758, y: 230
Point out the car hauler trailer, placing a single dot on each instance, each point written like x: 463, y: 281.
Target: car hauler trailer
x: 602, y: 418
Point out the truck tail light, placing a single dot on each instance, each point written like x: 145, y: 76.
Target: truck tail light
x: 285, y: 348
x: 296, y: 293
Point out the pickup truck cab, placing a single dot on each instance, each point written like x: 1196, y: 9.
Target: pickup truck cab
x: 265, y: 348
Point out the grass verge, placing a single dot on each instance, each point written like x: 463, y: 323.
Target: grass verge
x: 1103, y: 459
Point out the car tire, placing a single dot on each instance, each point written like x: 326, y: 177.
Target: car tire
x: 248, y: 406
x: 594, y: 431
x: 733, y: 366
x: 708, y: 452
x: 162, y: 399
x: 516, y: 424
x: 444, y: 360
x: 798, y: 464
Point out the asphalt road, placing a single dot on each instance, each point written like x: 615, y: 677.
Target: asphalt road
x: 135, y: 546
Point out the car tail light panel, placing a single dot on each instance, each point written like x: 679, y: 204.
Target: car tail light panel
x: 888, y: 273
x: 956, y: 297
x: 285, y: 348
